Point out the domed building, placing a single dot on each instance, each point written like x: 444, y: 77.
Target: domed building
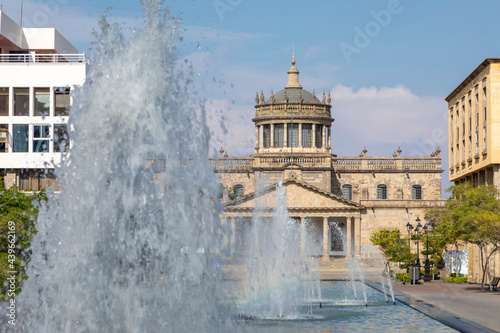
x: 342, y: 200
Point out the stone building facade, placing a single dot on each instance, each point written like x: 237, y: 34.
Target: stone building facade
x: 324, y: 192
x: 474, y: 136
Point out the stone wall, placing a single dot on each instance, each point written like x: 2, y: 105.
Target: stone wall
x: 229, y: 179
x: 475, y: 270
x: 399, y: 184
x: 392, y: 214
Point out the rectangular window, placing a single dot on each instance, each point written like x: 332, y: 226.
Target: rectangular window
x: 4, y: 138
x: 20, y: 137
x: 24, y: 181
x: 22, y: 102
x: 4, y: 101
x: 61, y: 138
x: 293, y: 135
x: 279, y: 135
x: 347, y: 192
x: 307, y: 135
x: 416, y: 192
x: 484, y: 138
x: 42, y: 102
x: 477, y: 141
x: 381, y: 192
x: 319, y: 136
x: 41, y: 137
x: 267, y: 136
x: 62, y: 101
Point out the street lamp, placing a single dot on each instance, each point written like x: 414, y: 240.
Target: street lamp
x: 428, y: 228
x: 415, y: 231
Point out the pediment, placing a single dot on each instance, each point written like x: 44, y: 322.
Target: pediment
x: 299, y: 195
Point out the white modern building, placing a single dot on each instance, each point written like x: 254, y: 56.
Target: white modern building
x: 38, y: 70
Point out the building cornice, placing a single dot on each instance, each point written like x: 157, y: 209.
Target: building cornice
x: 471, y: 77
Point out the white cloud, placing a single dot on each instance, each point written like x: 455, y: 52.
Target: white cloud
x: 387, y: 116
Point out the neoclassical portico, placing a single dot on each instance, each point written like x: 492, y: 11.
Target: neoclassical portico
x: 329, y: 224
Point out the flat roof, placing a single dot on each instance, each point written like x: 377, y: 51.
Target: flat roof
x: 15, y: 37
x: 471, y: 77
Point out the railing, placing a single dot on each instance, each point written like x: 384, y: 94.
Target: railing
x: 421, y: 164
x: 321, y: 110
x: 304, y: 161
x: 231, y: 164
x: 347, y: 164
x: 386, y: 163
x: 382, y: 164
x: 43, y: 58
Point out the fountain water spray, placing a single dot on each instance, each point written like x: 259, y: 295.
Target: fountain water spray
x: 279, y: 280
x: 378, y: 261
x: 130, y: 243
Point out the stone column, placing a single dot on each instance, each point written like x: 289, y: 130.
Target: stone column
x: 323, y: 136
x: 300, y: 135
x: 357, y: 236
x: 313, y: 136
x: 328, y: 137
x: 302, y: 237
x: 285, y: 134
x: 257, y: 137
x: 325, y: 257
x: 261, y: 136
x: 232, y: 236
x: 272, y: 136
x: 348, y: 236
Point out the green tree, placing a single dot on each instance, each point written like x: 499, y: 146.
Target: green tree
x: 18, y: 212
x: 395, y: 247
x: 472, y: 215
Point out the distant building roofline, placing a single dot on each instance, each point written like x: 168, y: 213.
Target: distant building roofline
x: 471, y: 77
x: 16, y: 38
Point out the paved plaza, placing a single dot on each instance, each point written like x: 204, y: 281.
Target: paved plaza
x: 465, y: 307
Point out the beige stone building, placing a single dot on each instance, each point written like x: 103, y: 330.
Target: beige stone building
x: 474, y: 138
x: 356, y: 195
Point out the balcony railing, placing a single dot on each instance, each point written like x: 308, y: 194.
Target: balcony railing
x: 386, y: 163
x: 231, y: 164
x: 401, y: 164
x: 43, y: 58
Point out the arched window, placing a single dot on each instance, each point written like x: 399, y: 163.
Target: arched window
x: 416, y: 193
x: 347, y: 192
x: 381, y: 192
x: 238, y: 190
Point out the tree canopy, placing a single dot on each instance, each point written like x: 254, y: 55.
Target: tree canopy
x: 21, y: 210
x: 472, y: 215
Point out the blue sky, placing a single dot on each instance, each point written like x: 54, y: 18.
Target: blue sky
x: 389, y: 64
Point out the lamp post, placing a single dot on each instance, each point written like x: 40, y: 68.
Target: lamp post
x: 427, y: 275
x: 415, y: 231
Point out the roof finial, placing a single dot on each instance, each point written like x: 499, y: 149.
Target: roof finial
x: 329, y: 99
x: 323, y: 100
x: 272, y: 97
x: 314, y: 97
x: 257, y: 97
x: 293, y: 75
x: 262, y: 100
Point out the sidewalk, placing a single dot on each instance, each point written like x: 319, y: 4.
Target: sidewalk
x: 454, y: 302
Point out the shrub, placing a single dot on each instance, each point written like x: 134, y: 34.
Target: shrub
x: 456, y: 279
x: 403, y: 277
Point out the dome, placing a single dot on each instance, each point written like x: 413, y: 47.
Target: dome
x: 292, y: 95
